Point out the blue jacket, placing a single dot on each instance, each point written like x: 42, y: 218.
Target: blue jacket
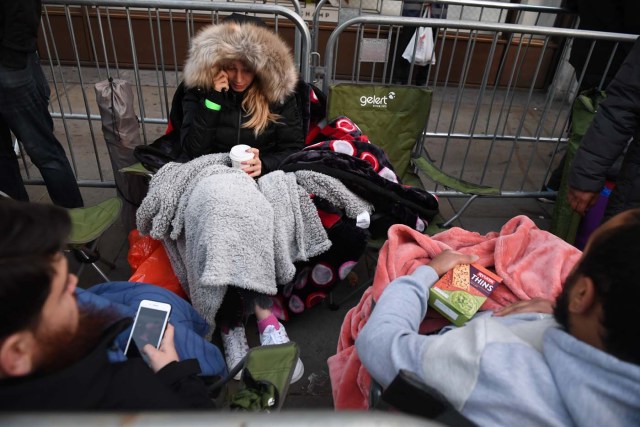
x: 190, y: 328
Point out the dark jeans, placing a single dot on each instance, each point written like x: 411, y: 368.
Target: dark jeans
x: 24, y: 97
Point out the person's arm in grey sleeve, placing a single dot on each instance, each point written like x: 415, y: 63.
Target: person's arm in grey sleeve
x: 390, y: 341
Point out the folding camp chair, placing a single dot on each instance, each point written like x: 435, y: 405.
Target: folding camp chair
x: 87, y: 226
x: 407, y: 393
x: 394, y: 118
x: 266, y: 376
x: 120, y: 128
x: 565, y: 221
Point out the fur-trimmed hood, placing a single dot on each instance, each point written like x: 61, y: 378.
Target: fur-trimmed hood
x: 258, y: 47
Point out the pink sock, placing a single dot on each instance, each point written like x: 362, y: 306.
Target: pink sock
x: 271, y: 320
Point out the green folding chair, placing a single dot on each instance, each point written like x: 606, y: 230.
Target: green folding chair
x: 87, y: 226
x: 394, y: 118
x: 565, y: 221
x: 266, y: 376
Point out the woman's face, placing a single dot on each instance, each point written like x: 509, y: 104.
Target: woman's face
x: 240, y: 76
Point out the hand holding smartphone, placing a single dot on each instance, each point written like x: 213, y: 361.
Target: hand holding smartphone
x: 163, y: 355
x: 148, y: 327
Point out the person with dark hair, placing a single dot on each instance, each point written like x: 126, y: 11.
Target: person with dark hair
x: 580, y: 366
x: 24, y: 99
x: 55, y: 353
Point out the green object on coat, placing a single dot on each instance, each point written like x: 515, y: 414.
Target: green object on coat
x: 565, y: 220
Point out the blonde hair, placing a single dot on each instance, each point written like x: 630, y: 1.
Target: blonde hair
x: 256, y: 106
x: 254, y: 103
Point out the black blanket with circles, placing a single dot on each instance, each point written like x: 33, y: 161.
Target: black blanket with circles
x: 339, y: 149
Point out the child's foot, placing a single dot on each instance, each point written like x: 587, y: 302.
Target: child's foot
x: 272, y: 332
x: 235, y: 346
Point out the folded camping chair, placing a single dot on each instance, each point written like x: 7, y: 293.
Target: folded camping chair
x: 87, y: 226
x: 266, y: 376
x: 121, y: 131
x: 394, y: 118
x: 409, y: 394
x: 565, y: 221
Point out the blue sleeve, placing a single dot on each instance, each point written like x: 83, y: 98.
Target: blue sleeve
x: 390, y: 340
x: 190, y: 327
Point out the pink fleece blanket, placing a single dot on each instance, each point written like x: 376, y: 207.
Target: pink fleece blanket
x: 532, y: 262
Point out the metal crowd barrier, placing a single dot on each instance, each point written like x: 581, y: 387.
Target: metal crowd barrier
x: 142, y: 41
x: 291, y: 418
x: 329, y: 13
x: 502, y: 93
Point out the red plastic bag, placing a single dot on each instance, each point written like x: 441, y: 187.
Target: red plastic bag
x: 140, y: 248
x: 151, y: 264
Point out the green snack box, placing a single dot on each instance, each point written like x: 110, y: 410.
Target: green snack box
x: 459, y: 294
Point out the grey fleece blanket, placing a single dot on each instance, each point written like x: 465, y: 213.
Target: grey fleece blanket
x: 229, y: 236
x: 296, y: 240
x: 221, y: 228
x: 158, y: 208
x: 333, y: 191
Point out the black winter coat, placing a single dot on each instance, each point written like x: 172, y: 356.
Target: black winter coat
x: 615, y: 123
x: 19, y: 23
x: 206, y: 131
x: 94, y: 383
x: 617, y: 16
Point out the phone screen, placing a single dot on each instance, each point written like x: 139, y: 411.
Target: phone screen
x: 148, y: 329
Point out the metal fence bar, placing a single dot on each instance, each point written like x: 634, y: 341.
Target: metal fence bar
x: 87, y: 108
x: 500, y: 111
x: 60, y: 106
x: 107, y: 36
x: 480, y: 10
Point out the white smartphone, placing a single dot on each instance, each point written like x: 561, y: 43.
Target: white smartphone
x: 148, y: 327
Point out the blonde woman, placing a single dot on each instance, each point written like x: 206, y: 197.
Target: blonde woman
x: 240, y: 81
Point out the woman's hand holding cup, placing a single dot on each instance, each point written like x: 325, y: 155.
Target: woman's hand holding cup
x: 254, y: 166
x: 246, y: 158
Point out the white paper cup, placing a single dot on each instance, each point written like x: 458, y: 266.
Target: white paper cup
x: 239, y: 154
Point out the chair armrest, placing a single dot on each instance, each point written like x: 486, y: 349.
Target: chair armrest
x: 409, y: 394
x: 439, y: 177
x: 137, y: 169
